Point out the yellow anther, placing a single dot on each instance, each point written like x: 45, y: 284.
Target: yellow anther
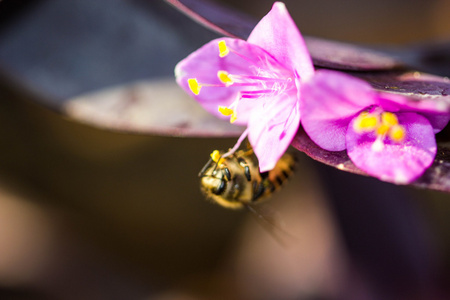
x: 365, y: 122
x: 223, y: 49
x: 224, y: 77
x: 233, y: 117
x: 228, y: 112
x: 215, y: 155
x: 384, y: 124
x: 397, y: 133
x: 382, y: 129
x: 194, y: 85
x: 369, y: 122
x: 225, y: 111
x: 389, y: 119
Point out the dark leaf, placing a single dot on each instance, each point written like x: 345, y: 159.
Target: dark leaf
x: 157, y: 107
x: 339, y: 160
x: 67, y: 49
x: 217, y: 17
x: 413, y: 84
x: 429, y: 57
x: 344, y: 56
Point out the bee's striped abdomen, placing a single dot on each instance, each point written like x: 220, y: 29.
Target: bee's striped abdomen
x: 274, y: 179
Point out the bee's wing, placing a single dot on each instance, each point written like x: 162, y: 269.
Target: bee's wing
x: 271, y: 221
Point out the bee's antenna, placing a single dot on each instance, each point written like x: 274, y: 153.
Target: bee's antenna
x: 202, y: 171
x: 217, y: 163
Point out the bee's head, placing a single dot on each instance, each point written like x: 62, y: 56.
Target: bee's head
x: 214, y: 179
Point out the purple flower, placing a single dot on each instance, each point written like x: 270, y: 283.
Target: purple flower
x: 256, y: 83
x: 386, y: 135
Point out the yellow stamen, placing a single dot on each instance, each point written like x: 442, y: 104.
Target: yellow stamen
x: 223, y: 49
x: 365, y: 122
x: 384, y: 124
x: 389, y: 119
x: 194, y: 85
x: 397, y: 133
x: 382, y: 129
x: 224, y: 77
x: 225, y: 111
x: 369, y: 122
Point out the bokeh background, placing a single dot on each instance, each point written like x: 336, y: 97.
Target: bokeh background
x: 88, y: 213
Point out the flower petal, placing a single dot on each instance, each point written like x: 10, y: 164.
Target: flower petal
x: 435, y: 112
x: 438, y: 121
x: 272, y: 128
x: 278, y: 35
x: 243, y: 59
x: 400, y: 163
x: 328, y: 103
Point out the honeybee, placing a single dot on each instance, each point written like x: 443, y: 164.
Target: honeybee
x: 235, y: 182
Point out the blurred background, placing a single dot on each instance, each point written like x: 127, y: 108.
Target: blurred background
x: 89, y: 213
x: 396, y: 22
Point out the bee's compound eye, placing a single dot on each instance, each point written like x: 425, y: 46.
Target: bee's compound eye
x: 220, y: 189
x: 227, y: 173
x: 243, y: 163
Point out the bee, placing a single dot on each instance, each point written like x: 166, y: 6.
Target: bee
x: 234, y: 181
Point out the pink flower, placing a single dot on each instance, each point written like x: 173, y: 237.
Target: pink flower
x: 266, y: 81
x: 256, y: 83
x: 388, y: 136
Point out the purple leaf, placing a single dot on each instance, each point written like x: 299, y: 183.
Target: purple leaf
x: 413, y: 84
x: 152, y: 107
x: 325, y: 53
x: 217, y: 18
x: 337, y: 159
x: 348, y: 57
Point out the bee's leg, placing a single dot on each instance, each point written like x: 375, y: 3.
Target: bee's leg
x: 249, y: 146
x: 258, y: 190
x: 249, y: 150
